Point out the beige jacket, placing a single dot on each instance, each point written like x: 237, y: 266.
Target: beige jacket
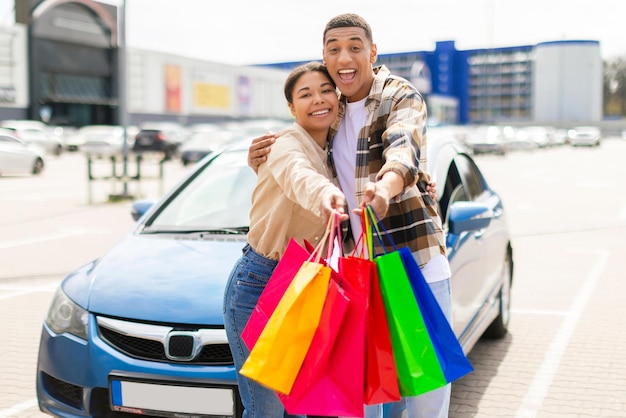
x: 286, y: 199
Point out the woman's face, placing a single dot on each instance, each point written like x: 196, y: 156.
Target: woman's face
x: 314, y: 103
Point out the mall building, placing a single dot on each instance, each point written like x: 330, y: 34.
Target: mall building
x: 60, y: 62
x: 549, y: 83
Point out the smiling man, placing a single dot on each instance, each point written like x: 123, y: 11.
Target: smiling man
x: 378, y: 154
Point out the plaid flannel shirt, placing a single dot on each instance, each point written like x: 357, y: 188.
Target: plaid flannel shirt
x: 394, y: 139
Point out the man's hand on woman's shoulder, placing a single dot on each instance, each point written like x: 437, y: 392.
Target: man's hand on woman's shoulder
x: 259, y: 148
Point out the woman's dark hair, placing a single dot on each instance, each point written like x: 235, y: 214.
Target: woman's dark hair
x: 349, y: 20
x: 299, y: 71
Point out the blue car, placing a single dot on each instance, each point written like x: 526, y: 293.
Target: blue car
x: 140, y: 330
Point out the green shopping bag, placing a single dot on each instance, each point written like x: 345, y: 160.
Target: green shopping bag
x: 417, y: 364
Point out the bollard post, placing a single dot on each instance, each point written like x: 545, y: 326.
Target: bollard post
x: 113, y: 175
x: 137, y: 177
x: 161, y: 182
x: 89, y: 180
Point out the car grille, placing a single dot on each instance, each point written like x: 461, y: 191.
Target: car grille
x: 64, y: 392
x: 166, y: 343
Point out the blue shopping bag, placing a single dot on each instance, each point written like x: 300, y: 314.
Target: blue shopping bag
x: 453, y: 362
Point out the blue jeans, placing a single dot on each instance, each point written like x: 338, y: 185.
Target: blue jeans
x: 245, y: 284
x: 433, y: 404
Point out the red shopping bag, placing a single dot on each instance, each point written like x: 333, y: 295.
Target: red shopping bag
x: 328, y: 382
x: 381, y: 378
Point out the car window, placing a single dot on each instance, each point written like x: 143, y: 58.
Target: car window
x: 463, y: 183
x: 453, y: 182
x: 219, y: 197
x: 473, y: 181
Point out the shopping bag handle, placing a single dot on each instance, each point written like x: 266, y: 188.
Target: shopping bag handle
x: 316, y: 254
x: 334, y: 233
x: 372, y: 220
x: 333, y: 230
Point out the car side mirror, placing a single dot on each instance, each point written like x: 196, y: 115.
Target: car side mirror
x: 140, y: 207
x: 468, y: 216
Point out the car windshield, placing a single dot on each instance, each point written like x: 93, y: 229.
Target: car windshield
x: 217, y: 198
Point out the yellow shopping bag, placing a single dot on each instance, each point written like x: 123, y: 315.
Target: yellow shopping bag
x: 278, y: 354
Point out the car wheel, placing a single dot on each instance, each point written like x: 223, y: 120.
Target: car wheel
x: 499, y: 326
x: 38, y: 166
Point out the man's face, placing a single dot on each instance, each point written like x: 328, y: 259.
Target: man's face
x: 349, y: 57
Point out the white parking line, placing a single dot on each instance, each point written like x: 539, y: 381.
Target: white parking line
x: 8, y: 292
x: 538, y: 388
x: 50, y: 237
x: 11, y: 412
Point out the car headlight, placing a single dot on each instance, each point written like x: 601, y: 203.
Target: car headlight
x: 66, y: 316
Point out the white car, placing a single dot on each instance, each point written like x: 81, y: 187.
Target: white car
x: 585, y: 135
x: 104, y: 140
x: 144, y: 322
x: 34, y: 132
x: 19, y: 158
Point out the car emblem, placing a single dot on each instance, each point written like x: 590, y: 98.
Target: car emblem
x: 182, y: 345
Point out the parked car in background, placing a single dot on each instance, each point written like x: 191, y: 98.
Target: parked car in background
x: 34, y: 132
x: 542, y: 136
x: 165, y: 138
x: 17, y: 157
x: 561, y: 136
x: 145, y: 323
x: 491, y: 139
x: 585, y: 136
x: 521, y: 142
x: 202, y: 144
x: 62, y: 133
x: 104, y: 140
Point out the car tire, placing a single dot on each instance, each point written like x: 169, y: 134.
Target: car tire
x: 37, y: 166
x: 499, y: 326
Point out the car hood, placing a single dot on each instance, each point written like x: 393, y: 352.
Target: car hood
x: 163, y: 279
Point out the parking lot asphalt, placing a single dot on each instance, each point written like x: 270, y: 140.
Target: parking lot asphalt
x: 564, y: 355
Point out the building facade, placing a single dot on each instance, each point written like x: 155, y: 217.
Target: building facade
x: 551, y: 82
x: 60, y: 63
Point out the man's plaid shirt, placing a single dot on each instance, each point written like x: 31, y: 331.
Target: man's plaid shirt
x: 394, y: 139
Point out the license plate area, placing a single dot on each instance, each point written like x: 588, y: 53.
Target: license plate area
x: 167, y: 398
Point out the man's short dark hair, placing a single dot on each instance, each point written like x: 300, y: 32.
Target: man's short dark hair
x: 349, y: 20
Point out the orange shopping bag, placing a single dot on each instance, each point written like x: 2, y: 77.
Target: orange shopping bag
x: 330, y: 382
x: 278, y: 353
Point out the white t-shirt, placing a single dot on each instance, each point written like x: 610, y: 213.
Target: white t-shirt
x: 344, y: 156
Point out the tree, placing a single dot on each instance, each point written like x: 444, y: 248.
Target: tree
x: 615, y: 87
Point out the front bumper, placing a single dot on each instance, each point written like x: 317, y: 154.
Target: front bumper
x: 74, y: 377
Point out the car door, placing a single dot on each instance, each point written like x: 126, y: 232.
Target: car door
x: 467, y: 251
x: 11, y: 156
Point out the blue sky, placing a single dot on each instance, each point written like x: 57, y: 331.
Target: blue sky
x: 259, y: 31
